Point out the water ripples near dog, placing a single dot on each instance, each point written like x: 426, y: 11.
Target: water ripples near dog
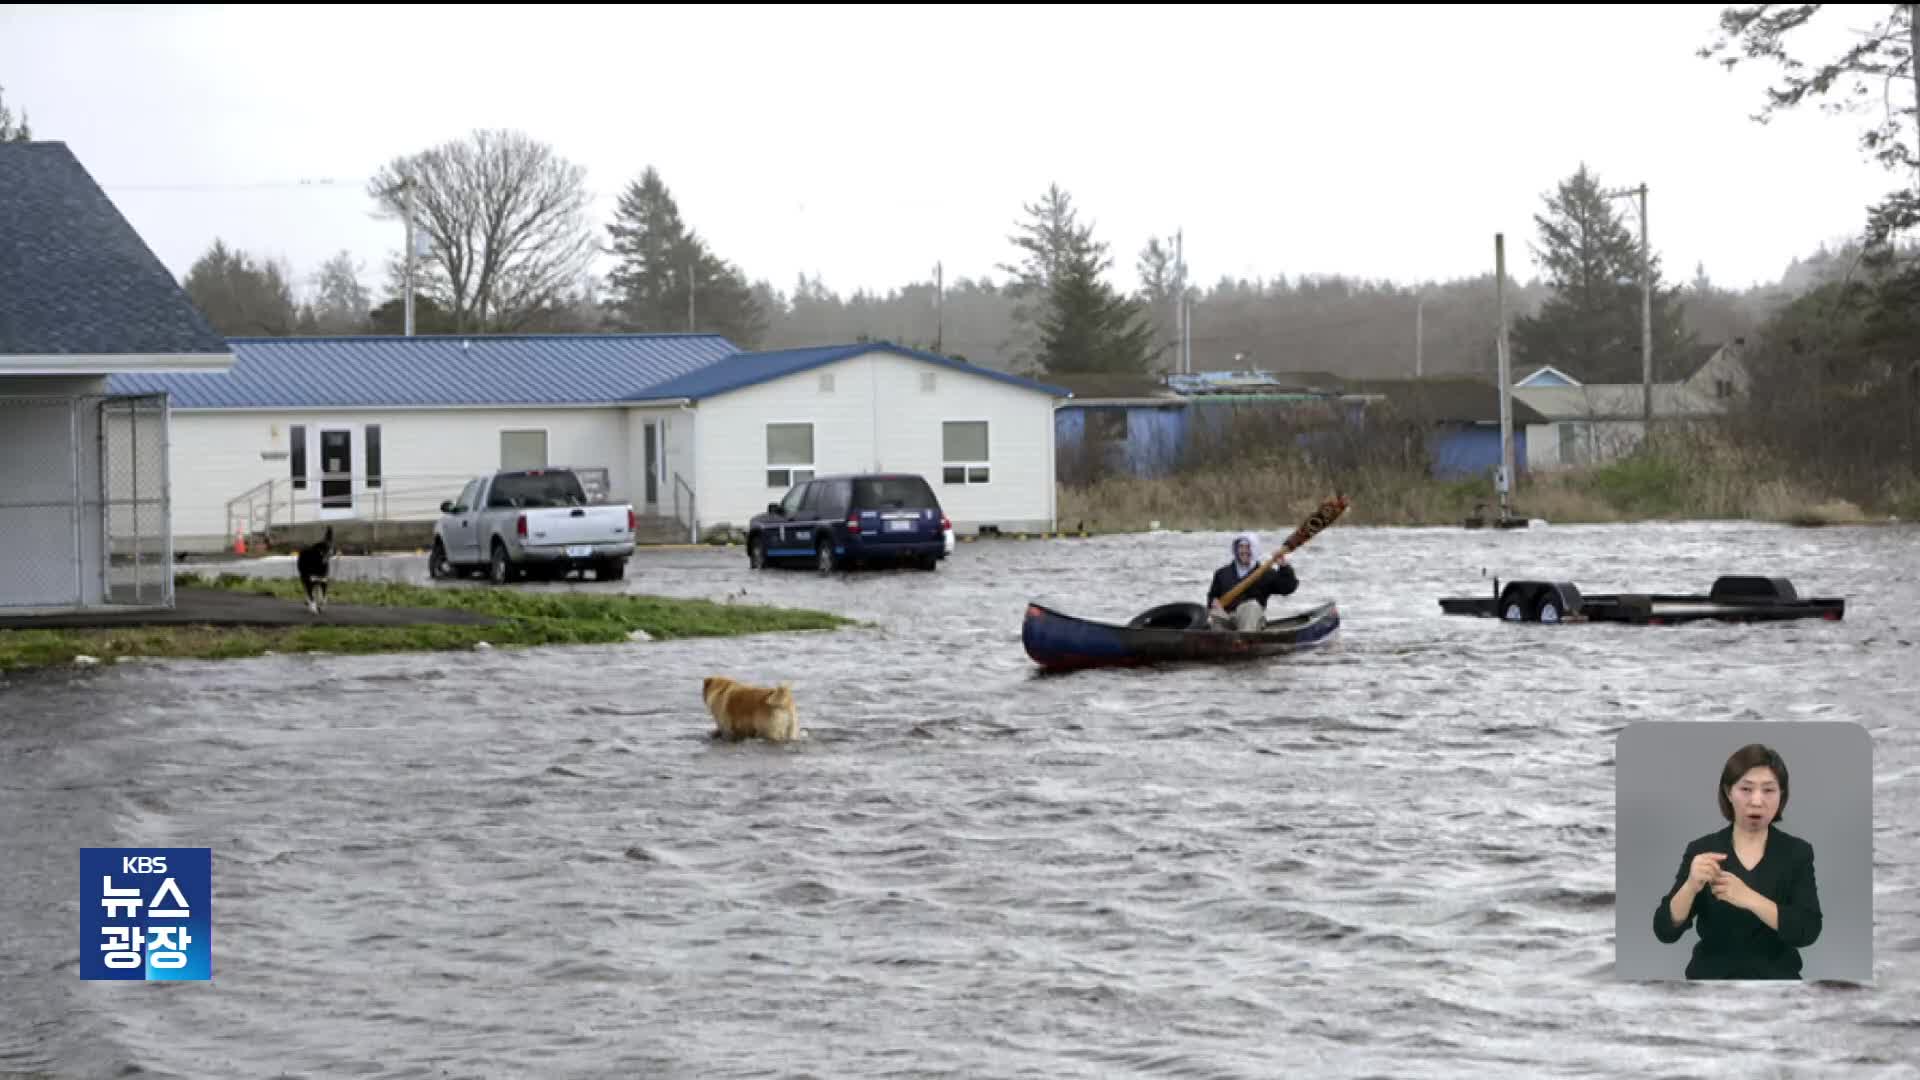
x: 1388, y: 857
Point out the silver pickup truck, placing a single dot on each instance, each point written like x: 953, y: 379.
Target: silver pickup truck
x: 536, y: 522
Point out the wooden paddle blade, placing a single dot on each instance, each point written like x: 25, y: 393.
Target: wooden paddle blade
x: 1327, y: 514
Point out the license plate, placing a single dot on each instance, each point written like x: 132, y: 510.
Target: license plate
x: 579, y: 551
x: 899, y: 526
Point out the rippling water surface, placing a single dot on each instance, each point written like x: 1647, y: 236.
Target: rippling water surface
x: 1391, y: 857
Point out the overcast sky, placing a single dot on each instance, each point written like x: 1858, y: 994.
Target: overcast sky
x: 866, y: 144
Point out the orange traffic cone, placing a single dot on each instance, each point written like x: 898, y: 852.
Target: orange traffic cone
x: 240, y: 543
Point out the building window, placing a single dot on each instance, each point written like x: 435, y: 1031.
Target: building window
x: 1722, y: 388
x: 964, y: 452
x: 826, y: 382
x: 1106, y: 425
x: 297, y: 447
x: 789, y: 454
x: 373, y: 455
x: 523, y: 450
x: 927, y: 381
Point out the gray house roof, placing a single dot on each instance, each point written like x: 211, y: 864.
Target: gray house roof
x: 75, y: 279
x: 1446, y: 399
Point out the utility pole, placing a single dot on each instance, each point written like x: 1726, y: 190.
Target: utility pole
x: 1179, y: 307
x: 1646, y: 310
x: 1505, y: 480
x: 405, y: 190
x: 1419, y: 336
x: 939, y: 307
x: 1186, y: 309
x: 1187, y: 333
x: 1646, y: 319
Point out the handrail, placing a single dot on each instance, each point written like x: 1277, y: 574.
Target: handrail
x: 250, y: 497
x: 692, y: 519
x: 391, y: 497
x: 396, y: 498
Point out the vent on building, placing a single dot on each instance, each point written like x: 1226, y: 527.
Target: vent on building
x: 826, y: 382
x: 926, y: 382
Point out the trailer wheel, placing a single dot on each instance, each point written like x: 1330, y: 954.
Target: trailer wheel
x: 1547, y: 610
x: 1514, y: 612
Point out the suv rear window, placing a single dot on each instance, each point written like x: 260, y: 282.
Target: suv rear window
x: 541, y: 489
x: 893, y: 493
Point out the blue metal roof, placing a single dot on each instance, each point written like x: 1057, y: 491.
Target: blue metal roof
x: 449, y: 370
x: 75, y: 279
x: 751, y: 369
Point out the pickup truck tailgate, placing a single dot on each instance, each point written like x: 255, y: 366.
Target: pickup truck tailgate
x: 577, y: 525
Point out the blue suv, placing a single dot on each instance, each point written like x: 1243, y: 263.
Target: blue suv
x: 852, y: 520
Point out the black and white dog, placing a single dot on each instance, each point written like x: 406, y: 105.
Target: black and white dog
x: 316, y: 563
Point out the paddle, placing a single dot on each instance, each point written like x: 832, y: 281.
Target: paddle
x: 1328, y: 513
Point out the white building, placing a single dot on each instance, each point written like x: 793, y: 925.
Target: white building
x: 384, y: 428
x: 83, y: 473
x: 764, y: 421
x: 1592, y: 423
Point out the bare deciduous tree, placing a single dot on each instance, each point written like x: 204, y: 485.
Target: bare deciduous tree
x: 341, y: 304
x: 10, y: 131
x: 506, y: 224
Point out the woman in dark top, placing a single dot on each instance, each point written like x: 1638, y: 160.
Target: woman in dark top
x: 1749, y: 887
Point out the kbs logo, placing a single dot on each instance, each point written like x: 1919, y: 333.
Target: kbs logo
x: 146, y: 913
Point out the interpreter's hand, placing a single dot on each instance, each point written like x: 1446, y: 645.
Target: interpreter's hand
x: 1705, y: 870
x: 1729, y: 888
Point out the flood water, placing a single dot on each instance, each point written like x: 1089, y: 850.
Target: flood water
x: 1389, y: 857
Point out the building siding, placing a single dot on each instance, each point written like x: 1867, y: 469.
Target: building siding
x: 426, y: 456
x: 854, y: 432
x: 1154, y: 437
x: 1462, y: 452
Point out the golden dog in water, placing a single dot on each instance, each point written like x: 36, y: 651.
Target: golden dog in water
x: 741, y: 711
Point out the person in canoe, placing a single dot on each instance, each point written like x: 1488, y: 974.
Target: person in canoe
x: 1249, y: 611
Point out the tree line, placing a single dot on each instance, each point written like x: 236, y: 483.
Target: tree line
x: 1834, y: 400
x: 507, y: 247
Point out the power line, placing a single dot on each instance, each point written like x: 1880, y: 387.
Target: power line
x: 323, y: 183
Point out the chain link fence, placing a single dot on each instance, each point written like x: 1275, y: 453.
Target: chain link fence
x: 135, y: 495
x: 40, y: 506
x: 84, y: 503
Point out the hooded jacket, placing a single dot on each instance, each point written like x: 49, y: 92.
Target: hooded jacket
x: 1279, y: 581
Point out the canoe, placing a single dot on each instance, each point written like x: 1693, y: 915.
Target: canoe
x: 1733, y: 598
x: 1061, y: 642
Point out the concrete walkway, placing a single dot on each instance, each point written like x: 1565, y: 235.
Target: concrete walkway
x: 220, y: 607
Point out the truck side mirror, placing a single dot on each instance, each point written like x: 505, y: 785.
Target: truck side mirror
x: 773, y: 508
x: 446, y: 507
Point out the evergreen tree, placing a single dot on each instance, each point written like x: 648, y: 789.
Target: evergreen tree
x: 667, y: 280
x: 240, y: 297
x: 1590, y: 325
